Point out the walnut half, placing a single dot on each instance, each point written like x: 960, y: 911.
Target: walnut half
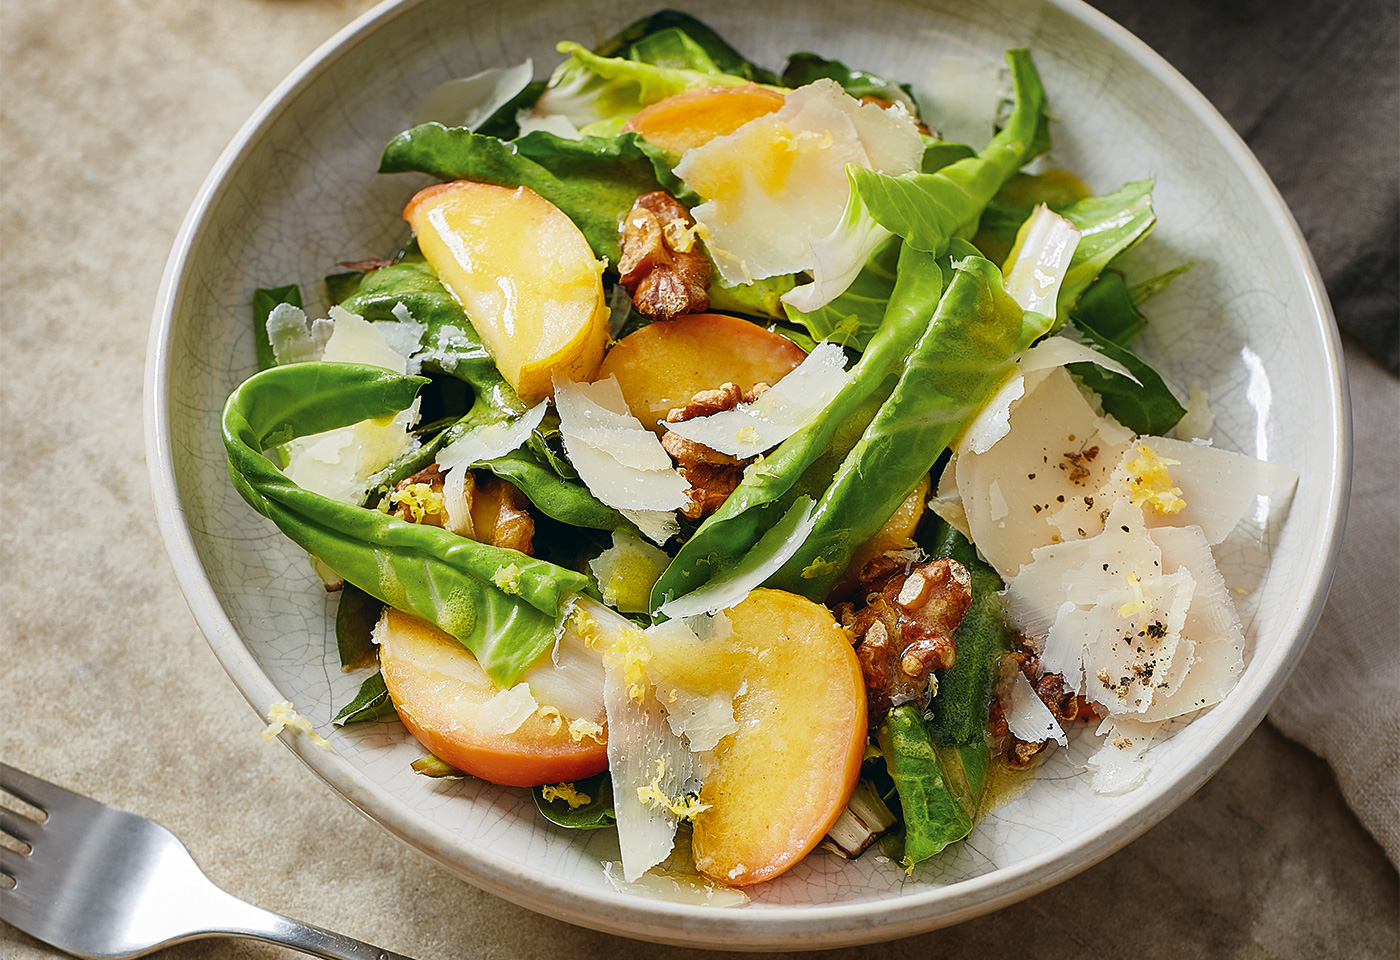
x: 905, y: 629
x: 663, y: 270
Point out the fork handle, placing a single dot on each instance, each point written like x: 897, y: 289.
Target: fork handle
x: 246, y: 920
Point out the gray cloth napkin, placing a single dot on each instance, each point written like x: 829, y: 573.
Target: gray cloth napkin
x: 1343, y: 702
x: 1313, y: 86
x: 1314, y: 89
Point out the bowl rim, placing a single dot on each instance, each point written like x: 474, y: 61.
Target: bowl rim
x: 787, y: 927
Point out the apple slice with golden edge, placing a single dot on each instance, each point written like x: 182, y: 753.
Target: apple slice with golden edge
x: 441, y: 695
x: 664, y: 364
x: 779, y: 782
x: 523, y: 273
x: 696, y: 117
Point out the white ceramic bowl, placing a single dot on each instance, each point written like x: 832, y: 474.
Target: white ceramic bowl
x: 296, y: 191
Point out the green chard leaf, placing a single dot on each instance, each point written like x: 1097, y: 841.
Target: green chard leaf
x: 355, y: 617
x: 958, y: 713
x: 264, y: 300
x: 371, y: 703
x: 963, y: 355
x: 762, y: 298
x: 940, y: 153
x: 420, y: 569
x: 853, y: 317
x: 598, y: 95
x: 341, y: 285
x: 1014, y: 203
x: 805, y: 68
x: 929, y: 209
x: 1109, y: 225
x: 720, y: 53
x: 939, y: 788
x: 1147, y: 407
x: 451, y: 344
x: 673, y: 49
x: 1107, y: 307
x: 805, y: 462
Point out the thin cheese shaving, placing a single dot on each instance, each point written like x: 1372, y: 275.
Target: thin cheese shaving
x: 620, y: 461
x: 792, y: 403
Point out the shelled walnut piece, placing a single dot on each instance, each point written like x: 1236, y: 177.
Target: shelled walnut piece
x: 905, y: 629
x: 1063, y: 703
x: 712, y: 475
x: 496, y: 512
x: 662, y: 267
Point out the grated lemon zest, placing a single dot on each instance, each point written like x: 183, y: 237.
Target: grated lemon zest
x: 283, y: 716
x: 583, y: 727
x: 552, y: 714
x: 685, y: 808
x: 507, y: 578
x: 420, y: 500
x: 566, y: 792
x: 1139, y: 603
x: 1150, y: 482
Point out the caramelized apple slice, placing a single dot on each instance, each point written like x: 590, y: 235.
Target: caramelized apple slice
x: 448, y: 703
x: 663, y: 365
x: 694, y: 117
x: 781, y: 780
x: 523, y: 273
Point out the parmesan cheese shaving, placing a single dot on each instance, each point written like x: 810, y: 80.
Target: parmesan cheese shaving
x: 506, y: 711
x: 771, y: 552
x: 1047, y: 474
x: 294, y: 339
x: 658, y: 526
x: 1037, y: 264
x: 570, y: 680
x: 671, y: 887
x: 619, y: 460
x: 793, y: 402
x: 1027, y: 717
x: 696, y: 679
x: 1032, y: 367
x: 778, y: 183
x: 1118, y: 765
x: 338, y: 464
x: 1199, y: 421
x: 1218, y: 488
x: 493, y: 440
x: 643, y: 753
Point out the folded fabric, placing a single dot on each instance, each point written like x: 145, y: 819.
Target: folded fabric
x: 1343, y: 702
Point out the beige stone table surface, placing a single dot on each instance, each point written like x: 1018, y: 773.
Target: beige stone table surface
x: 111, y: 112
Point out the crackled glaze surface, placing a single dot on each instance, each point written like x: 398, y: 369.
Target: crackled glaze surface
x: 298, y: 192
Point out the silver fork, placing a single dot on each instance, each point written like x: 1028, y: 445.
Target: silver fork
x: 102, y: 883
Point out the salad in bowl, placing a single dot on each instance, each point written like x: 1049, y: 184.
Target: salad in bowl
x: 742, y: 466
